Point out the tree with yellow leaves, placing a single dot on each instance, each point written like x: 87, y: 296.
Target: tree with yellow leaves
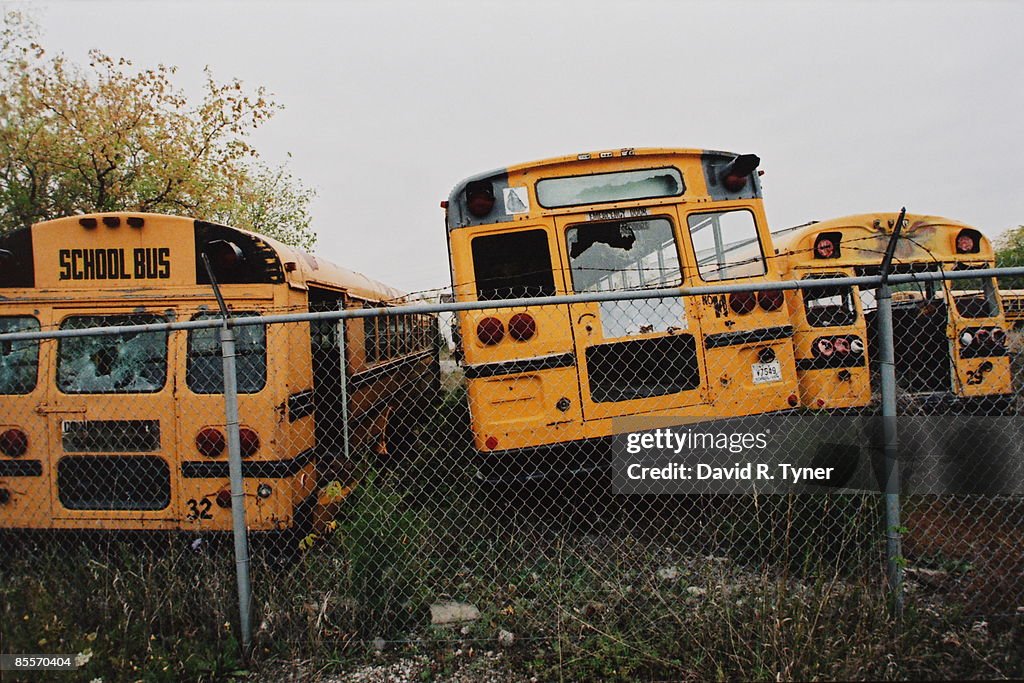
x: 113, y: 137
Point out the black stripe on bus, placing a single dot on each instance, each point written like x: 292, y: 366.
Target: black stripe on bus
x: 514, y: 367
x: 21, y: 468
x: 850, y: 360
x: 382, y: 370
x: 715, y: 341
x: 268, y: 469
x: 300, y: 405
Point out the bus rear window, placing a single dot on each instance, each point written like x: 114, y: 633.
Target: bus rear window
x: 205, y: 372
x: 123, y: 363
x: 602, y: 188
x: 623, y: 255
x: 726, y: 245
x: 829, y: 306
x: 19, y: 360
x: 977, y: 304
x: 513, y: 265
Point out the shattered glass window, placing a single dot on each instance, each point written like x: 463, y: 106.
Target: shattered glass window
x: 726, y: 245
x: 601, y: 188
x: 635, y: 254
x: 19, y: 360
x: 205, y: 372
x: 125, y: 363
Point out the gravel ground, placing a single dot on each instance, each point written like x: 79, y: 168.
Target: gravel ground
x: 463, y: 667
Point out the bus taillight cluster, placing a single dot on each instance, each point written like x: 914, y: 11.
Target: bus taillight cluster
x: 742, y: 303
x: 521, y: 327
x: 211, y: 442
x: 827, y: 347
x: 981, y: 337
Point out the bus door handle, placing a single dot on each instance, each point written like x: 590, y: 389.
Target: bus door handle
x: 47, y: 409
x: 587, y: 320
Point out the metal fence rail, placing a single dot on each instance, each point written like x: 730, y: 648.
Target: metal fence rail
x: 375, y: 514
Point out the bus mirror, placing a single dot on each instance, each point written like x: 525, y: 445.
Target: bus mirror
x: 224, y: 256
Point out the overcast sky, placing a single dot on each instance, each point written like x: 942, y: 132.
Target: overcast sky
x: 852, y: 107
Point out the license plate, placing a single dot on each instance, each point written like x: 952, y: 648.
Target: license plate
x: 767, y: 372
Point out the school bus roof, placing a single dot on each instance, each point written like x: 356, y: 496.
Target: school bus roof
x: 701, y: 169
x: 294, y: 266
x: 864, y: 237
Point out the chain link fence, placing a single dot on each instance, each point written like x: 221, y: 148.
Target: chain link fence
x: 399, y: 498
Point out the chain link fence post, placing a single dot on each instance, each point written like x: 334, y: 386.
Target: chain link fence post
x: 887, y: 369
x: 227, y: 341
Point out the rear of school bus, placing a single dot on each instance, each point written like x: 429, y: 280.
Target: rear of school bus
x: 949, y: 337
x: 126, y: 431
x: 829, y: 331
x: 548, y: 383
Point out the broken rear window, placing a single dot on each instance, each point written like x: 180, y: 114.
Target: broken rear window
x: 19, y: 360
x: 122, y: 363
x: 635, y: 254
x: 513, y: 265
x: 601, y: 188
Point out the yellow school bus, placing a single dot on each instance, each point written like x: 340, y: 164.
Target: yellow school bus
x: 546, y: 383
x: 949, y: 358
x: 126, y: 431
x: 1013, y: 307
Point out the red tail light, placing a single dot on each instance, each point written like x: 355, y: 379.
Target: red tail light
x: 224, y: 498
x: 742, y: 302
x: 522, y: 326
x: 248, y: 441
x: 771, y: 300
x: 793, y: 400
x: 826, y: 245
x: 982, y: 336
x: 479, y: 198
x: 13, y: 443
x: 998, y: 336
x: 490, y: 331
x: 841, y: 345
x: 968, y: 241
x: 823, y: 347
x: 491, y: 443
x: 210, y: 442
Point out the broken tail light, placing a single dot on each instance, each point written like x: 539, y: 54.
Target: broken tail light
x: 823, y: 348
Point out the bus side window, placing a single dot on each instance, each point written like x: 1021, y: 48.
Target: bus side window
x: 513, y: 265
x: 370, y: 337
